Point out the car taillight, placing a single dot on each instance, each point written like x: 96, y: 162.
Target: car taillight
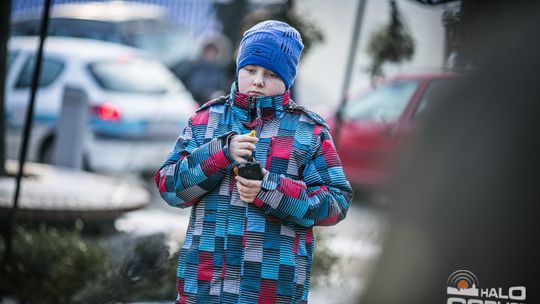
x: 107, y: 112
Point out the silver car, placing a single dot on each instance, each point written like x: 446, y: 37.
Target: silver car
x: 137, y: 107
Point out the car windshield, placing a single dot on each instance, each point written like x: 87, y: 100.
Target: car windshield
x: 134, y: 75
x: 383, y: 104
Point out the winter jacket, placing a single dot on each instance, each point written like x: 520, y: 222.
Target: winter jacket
x: 260, y: 252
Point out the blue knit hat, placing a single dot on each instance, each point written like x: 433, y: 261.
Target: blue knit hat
x: 273, y: 45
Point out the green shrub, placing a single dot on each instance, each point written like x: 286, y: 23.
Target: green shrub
x: 147, y: 275
x: 49, y: 265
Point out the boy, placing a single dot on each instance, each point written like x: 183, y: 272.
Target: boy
x: 249, y: 240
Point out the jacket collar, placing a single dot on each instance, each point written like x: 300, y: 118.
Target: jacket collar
x: 253, y: 110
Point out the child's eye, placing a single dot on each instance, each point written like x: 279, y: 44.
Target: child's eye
x: 272, y: 75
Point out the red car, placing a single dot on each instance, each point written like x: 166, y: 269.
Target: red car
x: 376, y: 122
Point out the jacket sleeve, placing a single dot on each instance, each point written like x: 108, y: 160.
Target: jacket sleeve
x: 192, y: 169
x: 321, y: 197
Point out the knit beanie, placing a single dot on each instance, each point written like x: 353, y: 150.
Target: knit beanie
x: 273, y: 45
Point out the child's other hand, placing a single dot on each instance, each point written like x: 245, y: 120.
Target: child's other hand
x: 247, y: 188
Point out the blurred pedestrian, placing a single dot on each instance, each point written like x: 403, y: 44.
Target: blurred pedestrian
x: 467, y: 196
x: 251, y: 240
x: 204, y: 77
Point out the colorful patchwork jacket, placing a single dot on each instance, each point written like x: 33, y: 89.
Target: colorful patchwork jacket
x: 260, y: 252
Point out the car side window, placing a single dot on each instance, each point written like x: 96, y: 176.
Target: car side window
x: 431, y: 92
x: 50, y: 71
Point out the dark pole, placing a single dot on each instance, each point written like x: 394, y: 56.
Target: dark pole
x: 27, y: 128
x: 5, y: 15
x: 349, y: 68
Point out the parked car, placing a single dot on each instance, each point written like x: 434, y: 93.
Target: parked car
x: 137, y: 107
x: 376, y: 124
x: 139, y: 25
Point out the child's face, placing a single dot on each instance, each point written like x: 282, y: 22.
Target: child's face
x: 254, y: 80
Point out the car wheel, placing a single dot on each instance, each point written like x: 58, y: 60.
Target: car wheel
x: 46, y: 152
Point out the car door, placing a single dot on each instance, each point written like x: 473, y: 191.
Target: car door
x: 14, y: 64
x: 48, y: 100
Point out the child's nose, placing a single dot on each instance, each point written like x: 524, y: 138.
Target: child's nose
x: 258, y: 80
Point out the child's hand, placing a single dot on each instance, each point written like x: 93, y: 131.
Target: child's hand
x: 242, y: 146
x: 247, y: 188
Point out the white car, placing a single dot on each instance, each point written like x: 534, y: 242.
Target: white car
x: 137, y: 107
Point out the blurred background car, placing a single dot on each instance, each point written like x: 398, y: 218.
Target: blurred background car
x: 138, y: 25
x: 376, y: 124
x: 137, y: 107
